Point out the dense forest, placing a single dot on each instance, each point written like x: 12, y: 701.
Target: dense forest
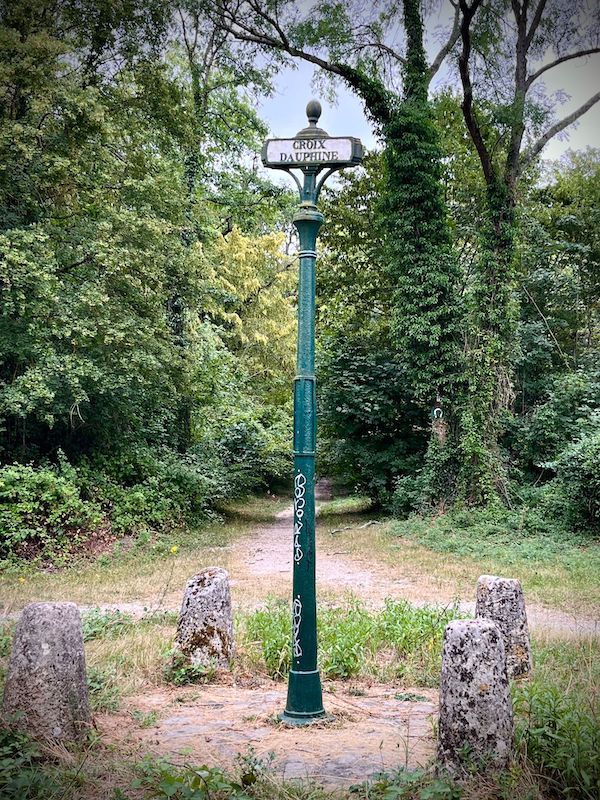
x: 148, y: 267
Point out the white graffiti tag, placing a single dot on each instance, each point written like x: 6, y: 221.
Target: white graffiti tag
x: 296, y: 622
x: 299, y: 504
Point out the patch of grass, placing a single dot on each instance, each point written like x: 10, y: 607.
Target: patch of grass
x: 7, y: 630
x: 408, y: 785
x: 145, y: 719
x: 558, y: 716
x: 397, y: 641
x: 555, y: 568
x: 560, y: 735
x: 252, y: 780
x: 410, y: 697
x: 135, y: 658
x: 355, y: 504
x: 103, y: 686
x: 151, y: 573
x: 99, y: 624
x: 256, y: 508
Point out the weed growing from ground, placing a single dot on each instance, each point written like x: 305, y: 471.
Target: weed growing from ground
x: 98, y: 624
x: 560, y: 735
x: 6, y: 637
x: 145, y: 719
x: 180, y: 671
x: 22, y: 776
x: 408, y: 785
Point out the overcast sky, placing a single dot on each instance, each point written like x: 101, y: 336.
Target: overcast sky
x: 284, y: 112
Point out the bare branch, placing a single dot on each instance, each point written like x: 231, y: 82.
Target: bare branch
x: 579, y: 54
x: 452, y: 39
x: 384, y: 49
x: 468, y: 12
x: 537, y: 18
x: 538, y: 146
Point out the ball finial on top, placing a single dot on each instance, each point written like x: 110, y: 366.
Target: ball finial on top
x: 313, y: 111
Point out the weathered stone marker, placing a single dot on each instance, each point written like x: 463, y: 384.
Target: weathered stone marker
x: 46, y: 683
x: 476, y: 720
x: 205, y: 625
x: 502, y: 601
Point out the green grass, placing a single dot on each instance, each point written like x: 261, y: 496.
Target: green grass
x: 558, y: 716
x: 355, y: 504
x: 398, y: 641
x: 554, y: 567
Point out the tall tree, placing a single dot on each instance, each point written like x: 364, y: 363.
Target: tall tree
x: 509, y: 120
x: 358, y: 46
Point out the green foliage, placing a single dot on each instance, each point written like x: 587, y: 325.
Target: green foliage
x: 6, y: 637
x: 180, y: 671
x: 160, y: 779
x: 567, y: 412
x: 561, y: 737
x: 131, y: 331
x: 351, y: 637
x: 372, y: 429
x: 21, y: 774
x: 98, y: 624
x: 526, y: 533
x: 40, y: 510
x: 409, y: 785
x: 145, y: 719
x: 578, y: 482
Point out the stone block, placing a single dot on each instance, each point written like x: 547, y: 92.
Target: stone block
x: 476, y: 719
x: 46, y: 684
x: 205, y: 625
x: 501, y: 600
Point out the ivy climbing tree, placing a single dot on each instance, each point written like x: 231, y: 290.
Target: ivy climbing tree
x: 509, y: 123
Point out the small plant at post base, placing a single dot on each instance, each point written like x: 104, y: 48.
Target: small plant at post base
x: 180, y: 671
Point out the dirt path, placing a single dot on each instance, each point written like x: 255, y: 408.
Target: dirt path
x: 263, y: 564
x: 213, y: 724
x: 260, y: 565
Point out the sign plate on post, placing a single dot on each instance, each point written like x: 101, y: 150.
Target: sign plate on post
x: 311, y: 152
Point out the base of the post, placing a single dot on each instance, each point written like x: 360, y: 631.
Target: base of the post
x: 304, y: 698
x: 295, y: 722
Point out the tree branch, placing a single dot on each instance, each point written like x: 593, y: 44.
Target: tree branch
x: 579, y: 54
x: 517, y: 128
x: 452, y: 39
x: 246, y: 34
x: 537, y: 18
x: 538, y: 146
x: 468, y: 12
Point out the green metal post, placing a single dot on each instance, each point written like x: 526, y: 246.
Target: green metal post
x: 304, y: 698
x: 312, y: 151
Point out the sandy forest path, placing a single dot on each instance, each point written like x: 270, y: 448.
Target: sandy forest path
x: 260, y: 566
x: 263, y: 563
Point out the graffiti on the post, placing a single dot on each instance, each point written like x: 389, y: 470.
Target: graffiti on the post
x: 296, y: 621
x: 299, y: 504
